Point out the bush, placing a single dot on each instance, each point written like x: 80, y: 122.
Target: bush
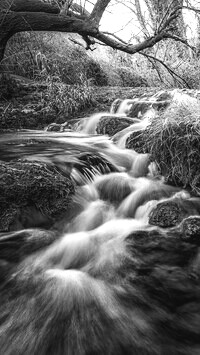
x: 94, y: 72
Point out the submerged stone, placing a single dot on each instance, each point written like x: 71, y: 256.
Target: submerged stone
x: 92, y: 164
x: 18, y: 244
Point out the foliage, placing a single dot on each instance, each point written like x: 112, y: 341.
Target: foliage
x: 40, y: 56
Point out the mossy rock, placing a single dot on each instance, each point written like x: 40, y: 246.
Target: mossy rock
x: 173, y: 140
x: 32, y: 194
x: 166, y: 214
x: 111, y: 125
x: 172, y: 212
x: 136, y: 141
x: 190, y: 230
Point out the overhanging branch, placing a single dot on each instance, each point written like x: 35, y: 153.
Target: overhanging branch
x: 130, y: 48
x: 33, y: 6
x: 40, y: 21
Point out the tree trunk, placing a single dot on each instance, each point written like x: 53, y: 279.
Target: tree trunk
x: 4, y: 37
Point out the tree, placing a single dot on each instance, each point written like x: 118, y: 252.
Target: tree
x: 67, y: 16
x: 162, y: 7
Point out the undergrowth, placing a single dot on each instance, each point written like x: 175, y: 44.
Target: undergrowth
x: 66, y: 100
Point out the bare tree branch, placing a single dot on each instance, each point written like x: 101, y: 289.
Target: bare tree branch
x: 115, y: 36
x: 130, y: 48
x: 171, y: 72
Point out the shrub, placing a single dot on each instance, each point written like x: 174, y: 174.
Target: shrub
x: 94, y: 71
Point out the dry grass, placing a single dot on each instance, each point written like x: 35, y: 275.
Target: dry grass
x: 173, y: 139
x: 66, y: 100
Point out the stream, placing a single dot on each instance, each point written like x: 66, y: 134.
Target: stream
x: 108, y: 282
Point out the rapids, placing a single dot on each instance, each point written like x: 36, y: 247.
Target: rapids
x: 110, y: 283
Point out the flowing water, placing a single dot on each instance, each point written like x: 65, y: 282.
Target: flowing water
x: 110, y: 283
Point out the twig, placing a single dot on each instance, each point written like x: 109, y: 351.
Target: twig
x: 171, y: 72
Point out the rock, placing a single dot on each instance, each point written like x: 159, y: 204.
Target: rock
x: 114, y: 188
x: 190, y: 229
x: 56, y: 127
x: 25, y: 103
x: 135, y: 141
x: 166, y: 214
x: 32, y: 194
x: 162, y: 255
x: 173, y: 211
x: 110, y: 125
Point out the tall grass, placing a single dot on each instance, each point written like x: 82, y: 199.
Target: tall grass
x: 40, y: 55
x: 65, y: 100
x: 173, y: 140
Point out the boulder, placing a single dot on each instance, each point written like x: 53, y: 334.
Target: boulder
x: 111, y: 125
x: 173, y: 211
x: 25, y: 103
x: 136, y: 141
x: 32, y: 194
